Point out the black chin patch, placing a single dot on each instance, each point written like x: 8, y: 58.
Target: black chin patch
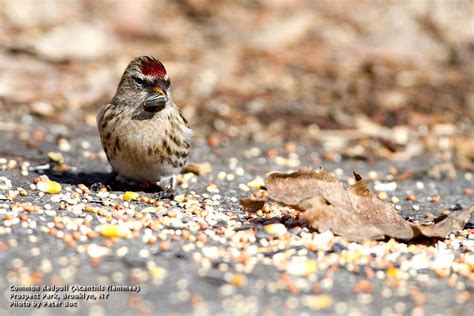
x: 154, y: 107
x: 141, y: 115
x: 155, y: 103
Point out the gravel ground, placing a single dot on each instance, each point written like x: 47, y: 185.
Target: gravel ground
x: 201, y: 254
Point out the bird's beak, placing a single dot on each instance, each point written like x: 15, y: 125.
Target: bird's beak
x: 157, y: 101
x: 159, y: 91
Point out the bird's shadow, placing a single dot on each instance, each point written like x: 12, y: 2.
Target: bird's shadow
x: 97, y: 180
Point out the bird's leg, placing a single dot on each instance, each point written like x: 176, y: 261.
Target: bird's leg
x: 168, y: 185
x: 172, y: 183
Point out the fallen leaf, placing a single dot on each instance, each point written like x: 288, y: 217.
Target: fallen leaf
x: 355, y: 213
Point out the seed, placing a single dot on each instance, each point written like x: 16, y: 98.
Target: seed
x: 56, y: 157
x: 149, y: 209
x: 164, y: 245
x: 111, y: 230
x: 157, y: 272
x: 49, y: 186
x: 468, y: 191
x: 90, y: 209
x: 318, y: 302
x: 238, y: 280
x: 256, y: 183
x: 436, y: 198
x: 129, y: 195
x: 212, y: 188
x: 275, y: 229
x: 392, y: 272
x: 83, y: 188
x: 180, y: 198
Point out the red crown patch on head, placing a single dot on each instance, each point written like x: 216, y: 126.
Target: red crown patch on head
x: 152, y: 67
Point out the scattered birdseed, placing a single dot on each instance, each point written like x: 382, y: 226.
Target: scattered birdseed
x: 229, y: 247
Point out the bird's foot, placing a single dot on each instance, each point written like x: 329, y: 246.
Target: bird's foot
x: 165, y: 195
x: 170, y: 184
x: 99, y: 186
x: 107, y: 183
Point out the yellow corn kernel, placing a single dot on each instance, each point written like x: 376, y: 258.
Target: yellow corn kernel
x: 111, y: 230
x: 49, y: 186
x: 129, y: 195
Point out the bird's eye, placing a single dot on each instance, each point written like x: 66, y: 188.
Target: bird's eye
x: 139, y: 80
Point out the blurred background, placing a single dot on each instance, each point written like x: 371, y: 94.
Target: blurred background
x: 365, y: 79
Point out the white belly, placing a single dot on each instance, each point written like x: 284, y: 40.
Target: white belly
x: 142, y: 168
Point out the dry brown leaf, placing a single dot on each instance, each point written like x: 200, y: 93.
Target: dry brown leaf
x: 355, y: 213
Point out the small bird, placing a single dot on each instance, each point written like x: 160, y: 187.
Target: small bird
x: 144, y: 135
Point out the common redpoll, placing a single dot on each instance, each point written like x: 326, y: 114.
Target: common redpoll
x: 144, y: 135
